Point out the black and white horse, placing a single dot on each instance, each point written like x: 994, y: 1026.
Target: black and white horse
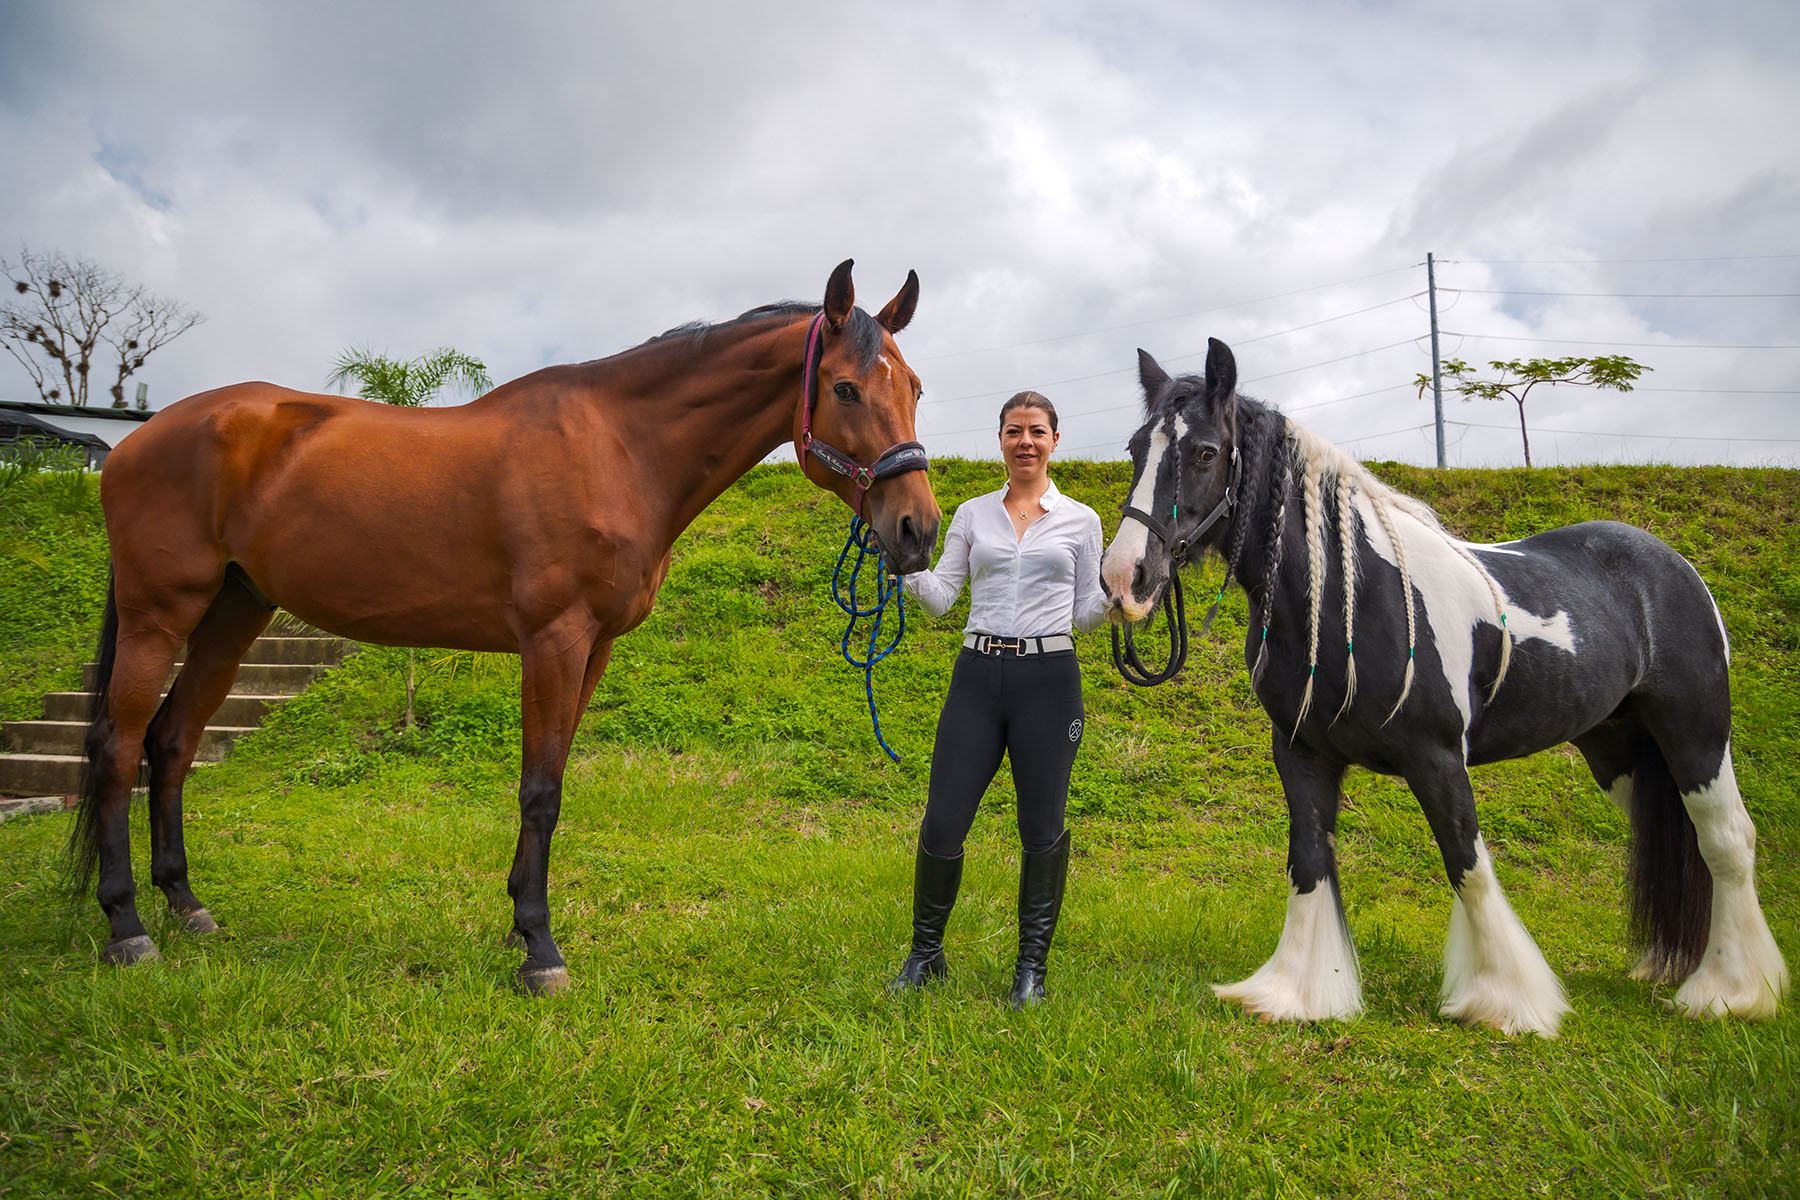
x: 1378, y: 639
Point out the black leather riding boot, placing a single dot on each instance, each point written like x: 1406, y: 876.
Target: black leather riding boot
x: 1042, y: 875
x: 935, y: 881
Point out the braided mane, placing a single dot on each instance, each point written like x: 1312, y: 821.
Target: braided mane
x: 1322, y: 467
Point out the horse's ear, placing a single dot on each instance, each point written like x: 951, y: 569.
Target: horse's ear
x: 1152, y: 376
x: 840, y: 295
x: 1221, y: 370
x: 899, y: 311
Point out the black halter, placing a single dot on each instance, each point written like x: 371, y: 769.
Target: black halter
x: 1174, y: 605
x: 895, y: 460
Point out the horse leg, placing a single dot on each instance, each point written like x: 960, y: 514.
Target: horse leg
x: 1313, y: 975
x: 143, y: 651
x: 558, y: 674
x: 217, y: 645
x: 1741, y: 971
x: 1494, y: 973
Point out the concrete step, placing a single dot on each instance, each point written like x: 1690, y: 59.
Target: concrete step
x: 238, y: 709
x: 49, y: 757
x: 262, y: 679
x: 283, y: 649
x: 70, y: 738
x: 40, y: 774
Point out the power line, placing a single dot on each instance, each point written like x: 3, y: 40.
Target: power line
x: 1498, y: 337
x: 1654, y: 437
x: 1726, y: 391
x: 1392, y: 387
x: 1328, y: 362
x: 1635, y: 295
x: 1200, y: 312
x: 1192, y: 354
x: 1583, y: 262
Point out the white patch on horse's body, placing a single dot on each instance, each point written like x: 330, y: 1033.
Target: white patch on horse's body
x: 1743, y: 972
x: 1494, y: 974
x: 1133, y: 538
x: 1312, y: 976
x: 1457, y: 599
x: 887, y: 368
x: 1528, y: 626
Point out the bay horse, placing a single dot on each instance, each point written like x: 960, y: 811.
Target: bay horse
x: 536, y: 520
x: 1453, y: 654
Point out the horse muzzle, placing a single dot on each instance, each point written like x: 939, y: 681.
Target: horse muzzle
x: 1130, y: 581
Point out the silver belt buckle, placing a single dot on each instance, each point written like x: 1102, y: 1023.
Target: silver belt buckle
x: 1016, y: 645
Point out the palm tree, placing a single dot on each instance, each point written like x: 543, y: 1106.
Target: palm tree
x: 408, y: 385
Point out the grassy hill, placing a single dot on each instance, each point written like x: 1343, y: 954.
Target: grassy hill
x: 730, y: 884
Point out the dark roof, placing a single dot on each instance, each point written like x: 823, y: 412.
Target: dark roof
x: 20, y: 425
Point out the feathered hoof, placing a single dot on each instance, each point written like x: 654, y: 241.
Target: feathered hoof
x: 544, y: 981
x: 1705, y: 996
x: 198, y: 920
x: 1543, y: 1018
x: 1283, y: 1004
x: 126, y: 951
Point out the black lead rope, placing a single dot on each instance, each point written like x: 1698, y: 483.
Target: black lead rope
x: 1125, y: 655
x: 1174, y: 602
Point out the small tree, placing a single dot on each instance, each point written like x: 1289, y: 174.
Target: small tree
x: 64, y: 317
x: 408, y: 385
x: 1518, y: 376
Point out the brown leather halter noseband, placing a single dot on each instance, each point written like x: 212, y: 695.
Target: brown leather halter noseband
x: 897, y: 459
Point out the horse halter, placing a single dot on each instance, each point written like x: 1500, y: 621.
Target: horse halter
x: 1174, y: 603
x: 897, y: 459
x: 1178, y: 548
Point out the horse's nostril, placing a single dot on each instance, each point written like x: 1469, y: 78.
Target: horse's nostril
x: 1137, y: 580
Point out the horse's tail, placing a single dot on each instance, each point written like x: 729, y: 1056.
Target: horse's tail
x: 1671, y: 887
x: 84, y: 838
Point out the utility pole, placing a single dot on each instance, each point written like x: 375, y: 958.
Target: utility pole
x: 1437, y: 380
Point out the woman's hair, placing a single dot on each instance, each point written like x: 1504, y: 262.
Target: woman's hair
x: 1029, y: 400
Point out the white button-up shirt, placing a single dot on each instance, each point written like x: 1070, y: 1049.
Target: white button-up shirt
x: 1034, y: 586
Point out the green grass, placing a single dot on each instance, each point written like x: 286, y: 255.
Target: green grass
x: 731, y: 884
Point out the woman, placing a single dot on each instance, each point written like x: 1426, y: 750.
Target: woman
x: 1032, y: 556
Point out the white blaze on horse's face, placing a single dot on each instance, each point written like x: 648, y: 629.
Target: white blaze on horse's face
x: 1119, y: 568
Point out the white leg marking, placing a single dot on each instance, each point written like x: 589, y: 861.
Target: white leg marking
x: 1312, y: 975
x: 1494, y: 974
x: 1743, y: 973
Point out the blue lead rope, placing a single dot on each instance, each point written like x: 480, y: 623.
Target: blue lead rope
x: 862, y: 539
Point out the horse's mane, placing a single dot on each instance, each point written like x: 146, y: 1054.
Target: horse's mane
x: 1288, y: 449
x: 862, y: 330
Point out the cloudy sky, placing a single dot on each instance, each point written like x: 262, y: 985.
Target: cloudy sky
x: 535, y: 183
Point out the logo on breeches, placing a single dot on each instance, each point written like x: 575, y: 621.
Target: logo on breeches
x: 1075, y: 730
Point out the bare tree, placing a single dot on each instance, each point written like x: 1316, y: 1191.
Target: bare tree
x: 66, y: 317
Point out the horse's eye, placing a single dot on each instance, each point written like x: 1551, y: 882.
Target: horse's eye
x: 1208, y: 454
x: 846, y: 392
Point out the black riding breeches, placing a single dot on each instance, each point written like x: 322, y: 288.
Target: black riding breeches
x: 1028, y: 708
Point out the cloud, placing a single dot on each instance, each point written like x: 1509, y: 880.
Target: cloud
x: 555, y: 183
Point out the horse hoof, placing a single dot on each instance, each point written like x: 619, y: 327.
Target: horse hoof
x: 198, y: 920
x: 544, y: 981
x: 126, y: 951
